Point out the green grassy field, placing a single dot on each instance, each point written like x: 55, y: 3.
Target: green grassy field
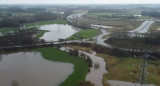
x: 96, y: 15
x: 22, y: 14
x: 30, y: 24
x: 129, y: 69
x: 41, y: 33
x: 145, y: 17
x: 87, y: 33
x: 6, y: 29
x: 46, y: 22
x: 80, y: 65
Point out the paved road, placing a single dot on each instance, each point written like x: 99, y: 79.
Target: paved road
x: 143, y: 28
x: 75, y: 16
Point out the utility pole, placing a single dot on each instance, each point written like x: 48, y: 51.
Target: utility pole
x: 144, y: 69
x: 143, y: 77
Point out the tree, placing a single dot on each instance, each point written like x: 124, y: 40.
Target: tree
x: 42, y: 41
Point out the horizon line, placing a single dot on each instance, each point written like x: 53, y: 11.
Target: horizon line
x: 79, y: 3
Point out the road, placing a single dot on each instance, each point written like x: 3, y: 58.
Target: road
x: 75, y: 16
x: 143, y: 28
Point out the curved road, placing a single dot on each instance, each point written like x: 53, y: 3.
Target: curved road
x: 143, y: 28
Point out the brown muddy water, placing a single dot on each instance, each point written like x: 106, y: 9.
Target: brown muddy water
x: 31, y: 69
x: 58, y: 31
x: 97, y: 70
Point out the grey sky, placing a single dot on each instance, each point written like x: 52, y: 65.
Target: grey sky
x: 80, y: 1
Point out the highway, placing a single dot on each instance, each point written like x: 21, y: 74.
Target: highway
x: 143, y: 28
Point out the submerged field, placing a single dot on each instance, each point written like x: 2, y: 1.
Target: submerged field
x: 84, y: 34
x: 80, y: 65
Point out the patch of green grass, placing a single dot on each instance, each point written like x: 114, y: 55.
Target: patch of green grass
x: 52, y: 22
x: 6, y: 30
x: 41, y: 33
x: 145, y: 17
x: 46, y: 23
x: 96, y: 15
x: 87, y: 33
x: 93, y: 40
x: 22, y: 14
x: 30, y: 24
x: 80, y: 65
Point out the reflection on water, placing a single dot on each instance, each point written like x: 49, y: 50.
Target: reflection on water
x: 31, y: 69
x: 58, y: 31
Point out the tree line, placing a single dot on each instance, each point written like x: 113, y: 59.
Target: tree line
x: 122, y: 15
x: 17, y: 21
x: 155, y: 14
x: 114, y: 51
x: 152, y: 38
x: 13, y: 40
x: 19, y: 9
x: 107, y: 11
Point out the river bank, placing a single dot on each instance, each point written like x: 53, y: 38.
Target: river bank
x: 98, y: 67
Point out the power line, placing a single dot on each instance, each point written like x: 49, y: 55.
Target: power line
x: 144, y: 69
x: 143, y: 78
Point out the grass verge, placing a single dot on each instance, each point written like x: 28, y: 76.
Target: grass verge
x: 84, y: 34
x: 80, y: 65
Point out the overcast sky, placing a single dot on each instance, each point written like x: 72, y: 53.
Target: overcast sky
x: 80, y: 1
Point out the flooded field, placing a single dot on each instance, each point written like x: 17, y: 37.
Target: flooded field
x: 31, y: 69
x: 58, y: 31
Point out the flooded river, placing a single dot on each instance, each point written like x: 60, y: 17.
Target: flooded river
x: 58, y: 31
x: 97, y: 70
x: 31, y: 69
